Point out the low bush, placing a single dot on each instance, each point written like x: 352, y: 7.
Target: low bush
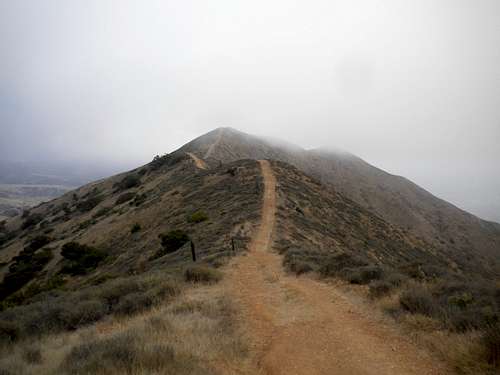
x: 104, y: 211
x: 134, y: 303
x: 89, y: 203
x: 26, y: 265
x: 139, y: 199
x: 128, y: 182
x: 380, y: 288
x: 197, y: 217
x: 299, y: 267
x: 115, y: 352
x: 125, y: 197
x: 37, y: 243
x: 333, y: 265
x: 82, y: 258
x: 87, y: 223
x: 172, y: 241
x: 417, y: 299
x: 202, y: 274
x: 31, y: 220
x: 127, y: 353
x: 65, y: 310
x: 362, y: 275
x: 135, y: 228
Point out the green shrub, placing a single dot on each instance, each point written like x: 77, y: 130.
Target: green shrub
x: 202, y: 274
x: 102, y: 212
x: 128, y: 182
x: 135, y: 228
x: 417, y: 300
x: 134, y: 303
x: 26, y: 265
x: 112, y: 291
x: 332, y: 266
x: 125, y: 197
x: 82, y: 258
x: 31, y: 220
x: 89, y: 203
x: 38, y: 242
x: 197, y: 217
x: 362, y: 275
x: 83, y: 313
x: 172, y: 241
x: 139, y: 199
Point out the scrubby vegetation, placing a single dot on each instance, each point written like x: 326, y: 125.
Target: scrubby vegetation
x: 30, y: 220
x: 438, y: 299
x: 128, y: 182
x: 171, y: 242
x: 89, y: 203
x: 81, y: 258
x: 202, y: 274
x: 179, y: 336
x: 135, y: 228
x: 31, y: 260
x: 125, y: 197
x: 197, y: 217
x: 68, y: 310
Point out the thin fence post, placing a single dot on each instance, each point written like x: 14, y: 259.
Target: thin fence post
x: 232, y: 245
x: 193, y: 251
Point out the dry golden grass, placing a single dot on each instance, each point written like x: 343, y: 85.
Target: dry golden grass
x: 194, y: 334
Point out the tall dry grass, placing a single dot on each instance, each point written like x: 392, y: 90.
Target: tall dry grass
x: 193, y: 334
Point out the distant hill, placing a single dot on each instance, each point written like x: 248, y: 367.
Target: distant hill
x: 210, y: 189
x: 393, y: 198
x: 26, y: 184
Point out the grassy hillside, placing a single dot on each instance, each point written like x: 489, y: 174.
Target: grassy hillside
x: 119, y: 222
x: 393, y: 198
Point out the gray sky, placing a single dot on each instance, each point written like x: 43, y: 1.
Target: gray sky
x: 411, y: 86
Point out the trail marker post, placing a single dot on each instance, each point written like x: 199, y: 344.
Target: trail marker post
x: 193, y: 251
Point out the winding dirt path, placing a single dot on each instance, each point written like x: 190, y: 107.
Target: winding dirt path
x: 197, y: 161
x: 299, y: 326
x: 213, y: 145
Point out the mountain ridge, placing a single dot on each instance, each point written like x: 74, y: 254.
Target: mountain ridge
x: 392, y: 197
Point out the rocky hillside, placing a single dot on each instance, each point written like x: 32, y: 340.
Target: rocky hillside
x: 393, y: 198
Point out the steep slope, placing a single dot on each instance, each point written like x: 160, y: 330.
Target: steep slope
x: 393, y: 198
x: 172, y: 193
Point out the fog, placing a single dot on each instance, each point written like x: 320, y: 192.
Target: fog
x: 411, y: 86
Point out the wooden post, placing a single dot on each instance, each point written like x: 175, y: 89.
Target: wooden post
x: 193, y: 251
x: 232, y: 245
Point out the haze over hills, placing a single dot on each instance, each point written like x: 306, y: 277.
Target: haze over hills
x: 115, y: 246
x: 394, y: 198
x: 26, y: 184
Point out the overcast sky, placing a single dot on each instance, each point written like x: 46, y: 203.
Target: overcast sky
x: 410, y: 86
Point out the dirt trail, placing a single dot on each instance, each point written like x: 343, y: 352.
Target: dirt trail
x: 304, y: 327
x: 197, y: 161
x: 213, y: 145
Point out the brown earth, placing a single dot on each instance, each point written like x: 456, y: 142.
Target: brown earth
x: 301, y: 326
